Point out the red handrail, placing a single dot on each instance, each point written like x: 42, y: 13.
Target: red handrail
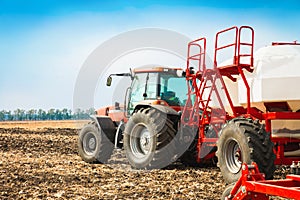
x: 200, y: 57
x: 237, y: 45
x: 250, y: 44
x: 234, y: 44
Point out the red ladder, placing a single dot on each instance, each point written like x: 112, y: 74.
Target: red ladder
x: 202, y: 84
x: 191, y: 110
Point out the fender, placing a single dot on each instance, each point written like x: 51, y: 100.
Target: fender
x: 165, y: 109
x: 106, y: 125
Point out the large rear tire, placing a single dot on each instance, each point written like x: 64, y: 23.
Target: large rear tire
x: 189, y: 157
x: 93, y: 144
x: 244, y: 141
x: 148, y: 139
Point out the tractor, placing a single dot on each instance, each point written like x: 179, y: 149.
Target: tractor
x: 200, y: 114
x: 145, y: 125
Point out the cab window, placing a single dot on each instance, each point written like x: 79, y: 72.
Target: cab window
x: 173, y: 89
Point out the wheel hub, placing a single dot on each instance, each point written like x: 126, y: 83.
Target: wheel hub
x: 140, y: 140
x: 89, y: 143
x: 145, y: 141
x: 92, y: 143
x: 233, y: 156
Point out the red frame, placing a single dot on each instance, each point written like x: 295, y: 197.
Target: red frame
x: 204, y: 81
x: 252, y: 185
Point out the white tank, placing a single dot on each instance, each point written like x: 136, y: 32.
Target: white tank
x: 276, y: 78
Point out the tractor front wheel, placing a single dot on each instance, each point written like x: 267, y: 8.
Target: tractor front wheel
x: 93, y: 144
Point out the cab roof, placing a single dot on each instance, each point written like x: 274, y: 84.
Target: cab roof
x: 155, y: 69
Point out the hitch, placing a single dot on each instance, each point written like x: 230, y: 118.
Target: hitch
x: 252, y: 185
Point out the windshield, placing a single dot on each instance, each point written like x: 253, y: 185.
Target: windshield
x: 144, y: 87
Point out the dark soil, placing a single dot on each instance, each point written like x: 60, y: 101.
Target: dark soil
x: 44, y: 164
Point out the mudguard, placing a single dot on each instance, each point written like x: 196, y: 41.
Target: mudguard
x: 165, y: 109
x: 106, y: 125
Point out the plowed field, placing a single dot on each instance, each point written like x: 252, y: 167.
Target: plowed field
x: 44, y: 164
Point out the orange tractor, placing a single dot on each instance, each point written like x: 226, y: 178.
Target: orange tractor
x: 193, y: 115
x: 146, y: 126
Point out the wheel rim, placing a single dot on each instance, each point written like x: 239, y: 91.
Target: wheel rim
x: 89, y: 143
x: 140, y: 141
x: 233, y: 156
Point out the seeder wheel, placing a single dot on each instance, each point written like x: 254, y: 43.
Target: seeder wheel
x: 244, y: 141
x: 227, y: 191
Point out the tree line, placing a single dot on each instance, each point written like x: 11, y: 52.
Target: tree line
x: 40, y: 114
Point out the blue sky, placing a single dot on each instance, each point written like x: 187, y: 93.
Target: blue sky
x: 43, y: 44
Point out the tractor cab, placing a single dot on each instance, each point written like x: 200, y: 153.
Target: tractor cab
x: 157, y: 86
x: 150, y: 86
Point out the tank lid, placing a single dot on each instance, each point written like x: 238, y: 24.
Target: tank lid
x: 285, y: 43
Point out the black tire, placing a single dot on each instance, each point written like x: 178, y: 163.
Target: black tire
x: 93, y: 145
x: 244, y: 141
x: 148, y: 139
x: 189, y: 157
x: 189, y: 144
x: 227, y: 191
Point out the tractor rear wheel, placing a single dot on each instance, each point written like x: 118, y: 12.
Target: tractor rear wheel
x: 189, y: 157
x: 188, y: 144
x: 148, y: 139
x: 244, y: 141
x: 93, y: 144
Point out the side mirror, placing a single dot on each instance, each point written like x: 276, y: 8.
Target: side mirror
x: 108, y: 81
